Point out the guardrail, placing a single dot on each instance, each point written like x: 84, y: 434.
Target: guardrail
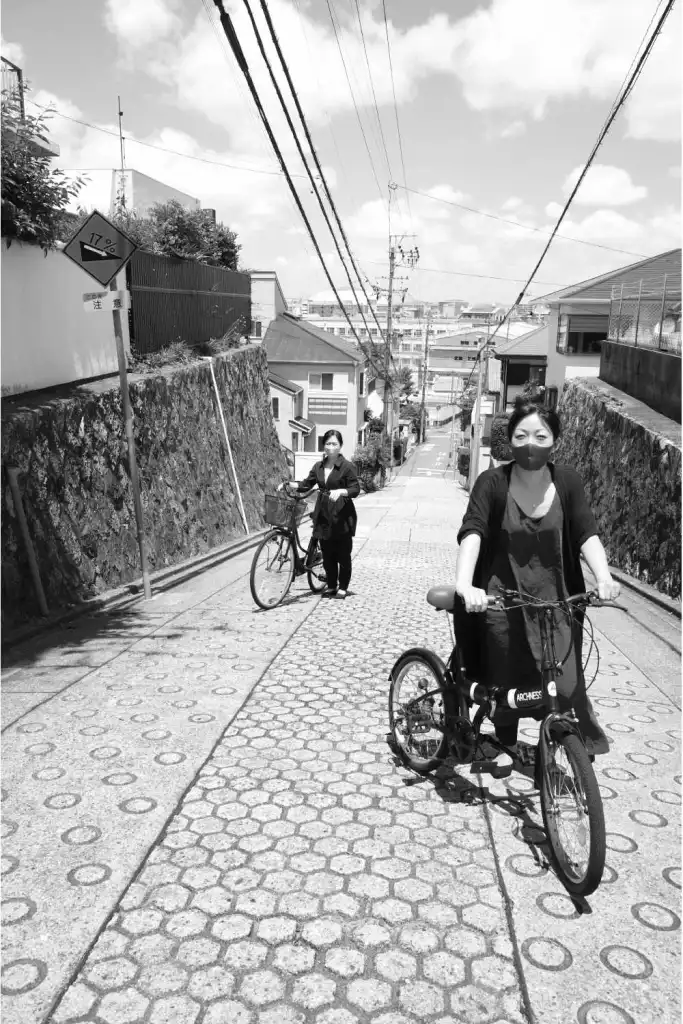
x: 647, y: 315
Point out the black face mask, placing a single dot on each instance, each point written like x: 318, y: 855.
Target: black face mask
x: 531, y: 456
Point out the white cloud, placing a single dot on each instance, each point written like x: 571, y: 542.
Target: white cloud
x: 12, y: 51
x: 553, y: 209
x: 513, y: 130
x: 604, y: 186
x: 141, y: 23
x: 522, y: 57
x: 513, y: 203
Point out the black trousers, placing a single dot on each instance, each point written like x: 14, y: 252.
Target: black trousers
x: 337, y: 560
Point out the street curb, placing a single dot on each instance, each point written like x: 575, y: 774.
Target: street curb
x: 644, y: 590
x: 130, y: 593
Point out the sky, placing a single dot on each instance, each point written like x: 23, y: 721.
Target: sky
x: 498, y: 105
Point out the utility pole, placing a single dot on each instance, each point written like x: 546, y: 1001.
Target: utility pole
x: 425, y: 368
x: 452, y: 444
x: 476, y: 434
x: 121, y: 198
x: 387, y: 345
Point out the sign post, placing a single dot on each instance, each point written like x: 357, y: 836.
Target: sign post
x: 102, y: 250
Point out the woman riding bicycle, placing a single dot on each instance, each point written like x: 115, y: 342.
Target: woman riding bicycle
x: 526, y: 525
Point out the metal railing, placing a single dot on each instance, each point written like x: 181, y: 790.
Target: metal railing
x: 647, y: 315
x: 13, y: 84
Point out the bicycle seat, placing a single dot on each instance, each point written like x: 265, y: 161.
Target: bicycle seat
x: 442, y: 598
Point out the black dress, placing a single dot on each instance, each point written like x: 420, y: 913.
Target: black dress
x: 529, y: 558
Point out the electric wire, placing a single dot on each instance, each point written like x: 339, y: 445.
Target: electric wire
x: 515, y: 223
x: 398, y: 126
x: 623, y: 95
x: 372, y: 88
x: 304, y: 160
x: 355, y: 105
x: 333, y: 206
x: 231, y: 35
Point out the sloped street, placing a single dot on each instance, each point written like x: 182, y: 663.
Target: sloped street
x: 203, y: 823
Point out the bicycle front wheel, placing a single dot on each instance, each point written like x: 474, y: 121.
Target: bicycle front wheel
x: 572, y: 815
x: 272, y: 570
x: 316, y: 574
x: 417, y: 709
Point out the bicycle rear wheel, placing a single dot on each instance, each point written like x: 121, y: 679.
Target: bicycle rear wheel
x: 316, y: 574
x: 272, y: 570
x: 573, y: 814
x: 417, y: 709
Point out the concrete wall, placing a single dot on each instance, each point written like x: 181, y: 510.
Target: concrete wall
x: 652, y: 376
x: 267, y: 300
x: 629, y: 457
x: 47, y: 337
x: 70, y: 448
x: 101, y: 186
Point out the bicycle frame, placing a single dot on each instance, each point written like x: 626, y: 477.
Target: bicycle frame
x: 300, y: 553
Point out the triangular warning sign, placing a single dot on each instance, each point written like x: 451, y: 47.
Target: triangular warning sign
x: 89, y: 253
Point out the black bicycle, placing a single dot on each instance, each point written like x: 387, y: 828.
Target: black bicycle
x: 281, y: 556
x: 429, y: 721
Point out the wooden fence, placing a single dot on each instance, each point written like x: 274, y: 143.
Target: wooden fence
x: 180, y: 300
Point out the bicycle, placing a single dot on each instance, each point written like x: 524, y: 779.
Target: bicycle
x: 281, y: 556
x: 432, y: 722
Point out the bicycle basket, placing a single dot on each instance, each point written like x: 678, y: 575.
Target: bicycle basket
x: 279, y: 509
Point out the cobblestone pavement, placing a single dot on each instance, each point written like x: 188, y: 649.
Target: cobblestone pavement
x: 303, y: 875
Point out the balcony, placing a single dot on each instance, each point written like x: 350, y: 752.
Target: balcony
x: 13, y: 92
x: 642, y: 353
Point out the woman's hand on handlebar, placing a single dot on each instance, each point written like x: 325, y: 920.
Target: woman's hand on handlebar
x: 289, y: 486
x: 608, y: 589
x: 476, y: 600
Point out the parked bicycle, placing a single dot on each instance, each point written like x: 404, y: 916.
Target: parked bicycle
x: 429, y: 719
x: 281, y: 556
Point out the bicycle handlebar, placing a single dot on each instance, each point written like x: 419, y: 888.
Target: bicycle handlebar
x: 516, y: 599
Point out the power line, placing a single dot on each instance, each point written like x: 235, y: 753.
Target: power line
x: 462, y: 273
x: 355, y: 105
x: 231, y: 35
x: 299, y: 147
x: 162, y: 149
x: 624, y: 93
x: 515, y: 223
x: 285, y: 68
x: 393, y: 89
x: 372, y: 87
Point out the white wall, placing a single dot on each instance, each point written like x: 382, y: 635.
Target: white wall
x: 102, y: 184
x: 563, y: 367
x: 47, y: 336
x: 267, y: 300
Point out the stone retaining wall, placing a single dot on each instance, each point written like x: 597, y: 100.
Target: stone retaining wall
x: 630, y: 459
x: 70, y: 447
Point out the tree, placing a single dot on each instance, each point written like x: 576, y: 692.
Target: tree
x: 533, y: 391
x: 404, y: 384
x: 34, y: 196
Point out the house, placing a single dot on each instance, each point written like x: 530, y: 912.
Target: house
x: 332, y: 376
x: 484, y: 313
x: 521, y: 359
x: 579, y: 315
x: 267, y: 301
x: 287, y: 401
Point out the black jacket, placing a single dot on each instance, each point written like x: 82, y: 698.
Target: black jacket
x: 484, y: 516
x: 333, y: 518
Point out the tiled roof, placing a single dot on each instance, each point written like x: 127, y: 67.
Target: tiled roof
x: 533, y: 343
x: 600, y: 288
x: 283, y: 383
x: 290, y: 340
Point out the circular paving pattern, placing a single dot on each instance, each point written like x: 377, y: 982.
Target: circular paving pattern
x: 556, y: 905
x: 659, y: 745
x: 156, y: 734
x: 170, y: 757
x: 596, y: 1011
x: 94, y: 730
x: 656, y: 917
x: 645, y: 759
x: 21, y: 976
x: 39, y: 749
x: 202, y: 718
x: 672, y: 876
x: 81, y: 835
x: 49, y: 774
x: 8, y: 864
x: 620, y: 843
x: 31, y: 727
x: 547, y: 954
x: 138, y: 805
x: 16, y: 909
x: 8, y: 828
x: 618, y: 774
x: 89, y: 874
x: 144, y: 718
x: 119, y: 779
x: 62, y: 801
x: 104, y: 753
x: 626, y: 962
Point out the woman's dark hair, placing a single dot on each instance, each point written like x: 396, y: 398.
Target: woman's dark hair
x: 333, y: 433
x: 523, y: 408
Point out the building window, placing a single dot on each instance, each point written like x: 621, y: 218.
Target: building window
x: 256, y: 329
x: 581, y: 334
x: 361, y: 384
x: 321, y: 381
x: 295, y: 441
x: 321, y: 444
x: 342, y: 330
x: 276, y: 408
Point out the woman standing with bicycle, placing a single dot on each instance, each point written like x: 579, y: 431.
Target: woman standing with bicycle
x: 334, y: 516
x: 526, y: 526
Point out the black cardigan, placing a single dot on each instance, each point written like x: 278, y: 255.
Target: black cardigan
x: 484, y: 516
x: 338, y: 518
